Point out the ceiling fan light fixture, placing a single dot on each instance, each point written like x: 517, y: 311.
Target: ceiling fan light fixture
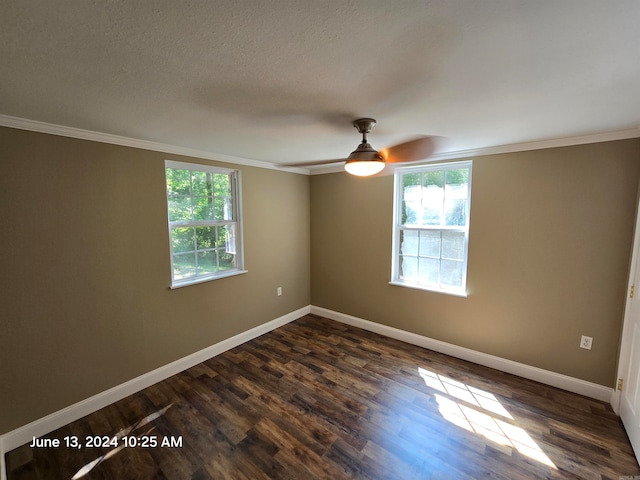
x: 364, y: 168
x: 364, y: 161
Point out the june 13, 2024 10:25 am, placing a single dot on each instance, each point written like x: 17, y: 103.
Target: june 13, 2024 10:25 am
x: 104, y: 441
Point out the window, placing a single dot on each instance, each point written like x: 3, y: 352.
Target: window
x: 205, y: 227
x: 431, y: 227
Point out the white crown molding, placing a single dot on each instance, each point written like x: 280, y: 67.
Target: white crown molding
x: 322, y: 170
x: 546, y: 377
x: 61, y: 130
x: 42, y: 127
x: 540, y: 144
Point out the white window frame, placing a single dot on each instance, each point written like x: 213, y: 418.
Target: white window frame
x: 236, y: 220
x: 396, y: 278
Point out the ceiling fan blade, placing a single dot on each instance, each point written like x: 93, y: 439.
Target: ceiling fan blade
x: 419, y: 148
x: 313, y: 163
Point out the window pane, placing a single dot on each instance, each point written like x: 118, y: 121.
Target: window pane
x: 432, y: 204
x: 222, y: 184
x: 182, y: 239
x: 409, y: 242
x: 178, y: 181
x: 203, y: 208
x: 455, y: 211
x: 429, y: 244
x: 227, y: 238
x: 409, y: 268
x: 223, y: 210
x: 451, y: 273
x: 227, y: 260
x: 207, y: 262
x: 453, y: 245
x: 410, y: 179
x: 411, y: 201
x: 428, y: 270
x: 205, y: 237
x: 184, y: 266
x: 456, y: 195
x: 433, y: 179
x: 202, y: 184
x: 410, y: 210
x: 459, y: 176
x: 179, y: 208
x: 228, y: 208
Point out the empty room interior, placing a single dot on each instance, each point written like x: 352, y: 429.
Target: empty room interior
x: 342, y: 239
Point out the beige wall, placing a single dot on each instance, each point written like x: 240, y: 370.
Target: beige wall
x: 550, y: 241
x: 85, y: 269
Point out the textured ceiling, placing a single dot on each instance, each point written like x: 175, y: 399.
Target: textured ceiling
x: 281, y: 80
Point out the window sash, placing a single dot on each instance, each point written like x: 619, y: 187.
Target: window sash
x: 414, y: 268
x: 201, y: 256
x: 442, y: 267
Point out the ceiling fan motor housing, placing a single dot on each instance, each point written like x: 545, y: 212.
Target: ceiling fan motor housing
x: 365, y: 153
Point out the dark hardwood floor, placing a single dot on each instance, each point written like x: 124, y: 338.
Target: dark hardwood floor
x: 319, y: 399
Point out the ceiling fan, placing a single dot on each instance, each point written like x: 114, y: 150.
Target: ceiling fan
x: 365, y: 160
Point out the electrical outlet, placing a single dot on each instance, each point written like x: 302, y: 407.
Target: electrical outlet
x: 586, y: 342
x: 279, y: 291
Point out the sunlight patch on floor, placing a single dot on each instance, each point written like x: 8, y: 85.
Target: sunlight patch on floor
x: 481, y: 412
x: 116, y: 439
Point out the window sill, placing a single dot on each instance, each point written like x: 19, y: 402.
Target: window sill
x: 209, y: 278
x: 453, y: 292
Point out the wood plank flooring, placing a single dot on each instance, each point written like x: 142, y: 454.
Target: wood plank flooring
x: 316, y: 399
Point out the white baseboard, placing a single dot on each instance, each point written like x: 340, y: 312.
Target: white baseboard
x: 547, y: 377
x: 24, y: 434
x: 51, y: 422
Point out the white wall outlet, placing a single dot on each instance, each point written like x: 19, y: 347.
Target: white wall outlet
x: 279, y: 291
x: 586, y: 342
